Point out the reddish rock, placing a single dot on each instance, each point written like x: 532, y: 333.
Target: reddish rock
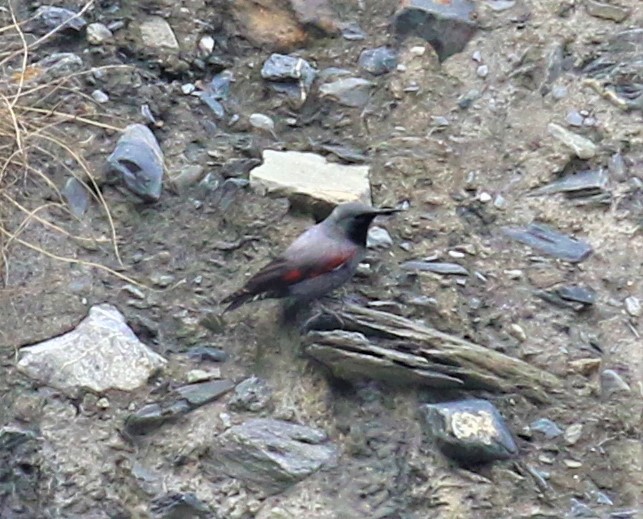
x: 283, y: 25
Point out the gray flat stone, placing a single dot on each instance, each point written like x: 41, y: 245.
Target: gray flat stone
x: 309, y: 177
x: 157, y: 33
x: 101, y: 353
x: 271, y: 454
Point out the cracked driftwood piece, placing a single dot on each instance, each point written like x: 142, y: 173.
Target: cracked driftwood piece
x: 376, y: 344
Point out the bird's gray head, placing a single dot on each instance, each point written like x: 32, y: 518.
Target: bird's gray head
x: 353, y: 219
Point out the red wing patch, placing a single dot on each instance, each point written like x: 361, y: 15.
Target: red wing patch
x: 292, y: 276
x: 332, y: 264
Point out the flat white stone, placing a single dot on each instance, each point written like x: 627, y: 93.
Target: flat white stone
x: 101, y: 353
x: 307, y: 175
x: 156, y: 32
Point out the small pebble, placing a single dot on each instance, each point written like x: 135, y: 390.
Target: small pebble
x: 516, y: 331
x: 573, y: 433
x: 206, y: 45
x: 514, y: 274
x: 188, y: 88
x: 482, y: 71
x: 100, y: 97
x: 572, y: 464
x: 632, y: 306
x: 201, y: 375
x: 477, y: 57
x: 418, y: 50
x: 264, y: 123
x: 500, y: 202
x: 98, y: 33
x: 102, y: 403
x: 559, y: 92
x: 378, y: 238
x: 485, y: 197
x: 573, y: 118
x: 547, y: 427
x: 456, y: 254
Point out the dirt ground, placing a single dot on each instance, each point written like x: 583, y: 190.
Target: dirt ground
x: 499, y: 145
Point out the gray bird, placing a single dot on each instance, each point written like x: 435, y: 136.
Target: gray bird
x: 320, y: 260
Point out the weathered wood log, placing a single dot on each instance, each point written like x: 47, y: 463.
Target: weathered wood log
x: 380, y: 345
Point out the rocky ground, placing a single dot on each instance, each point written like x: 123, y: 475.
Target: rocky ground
x: 515, y: 268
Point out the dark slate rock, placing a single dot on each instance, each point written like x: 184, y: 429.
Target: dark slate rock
x: 551, y: 242
x: 153, y: 416
x: 290, y: 76
x: 546, y: 427
x: 76, y: 195
x: 216, y: 92
x: 204, y: 392
x: 578, y: 294
x: 469, y: 431
x: 179, y: 506
x: 252, y: 394
x: 139, y: 159
x: 201, y: 353
x: 378, y: 61
x: 447, y: 26
x: 281, y: 67
x: 271, y: 454
x: 49, y: 17
x: 21, y: 487
x: 437, y: 267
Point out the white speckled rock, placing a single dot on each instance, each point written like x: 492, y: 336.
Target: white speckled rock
x: 101, y: 353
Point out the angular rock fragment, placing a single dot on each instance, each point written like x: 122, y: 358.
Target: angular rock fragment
x: 582, y: 147
x: 435, y: 266
x: 291, y: 76
x: 378, y: 61
x: 152, y: 416
x: 547, y: 427
x: 139, y: 159
x: 49, y: 17
x: 216, y: 92
x: 607, y: 11
x: 612, y: 382
x: 447, y: 25
x: 253, y: 394
x: 101, y: 353
x: 590, y: 184
x: 353, y: 92
x: 55, y: 66
x: 617, y: 71
x: 469, y: 431
x: 551, y: 242
x: 76, y: 195
x: 170, y: 409
x: 157, y: 33
x: 97, y: 34
x: 271, y: 454
x: 309, y: 179
x: 378, y: 238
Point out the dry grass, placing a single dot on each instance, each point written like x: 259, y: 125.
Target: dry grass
x: 37, y: 113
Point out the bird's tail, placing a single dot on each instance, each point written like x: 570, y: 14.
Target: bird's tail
x: 236, y: 299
